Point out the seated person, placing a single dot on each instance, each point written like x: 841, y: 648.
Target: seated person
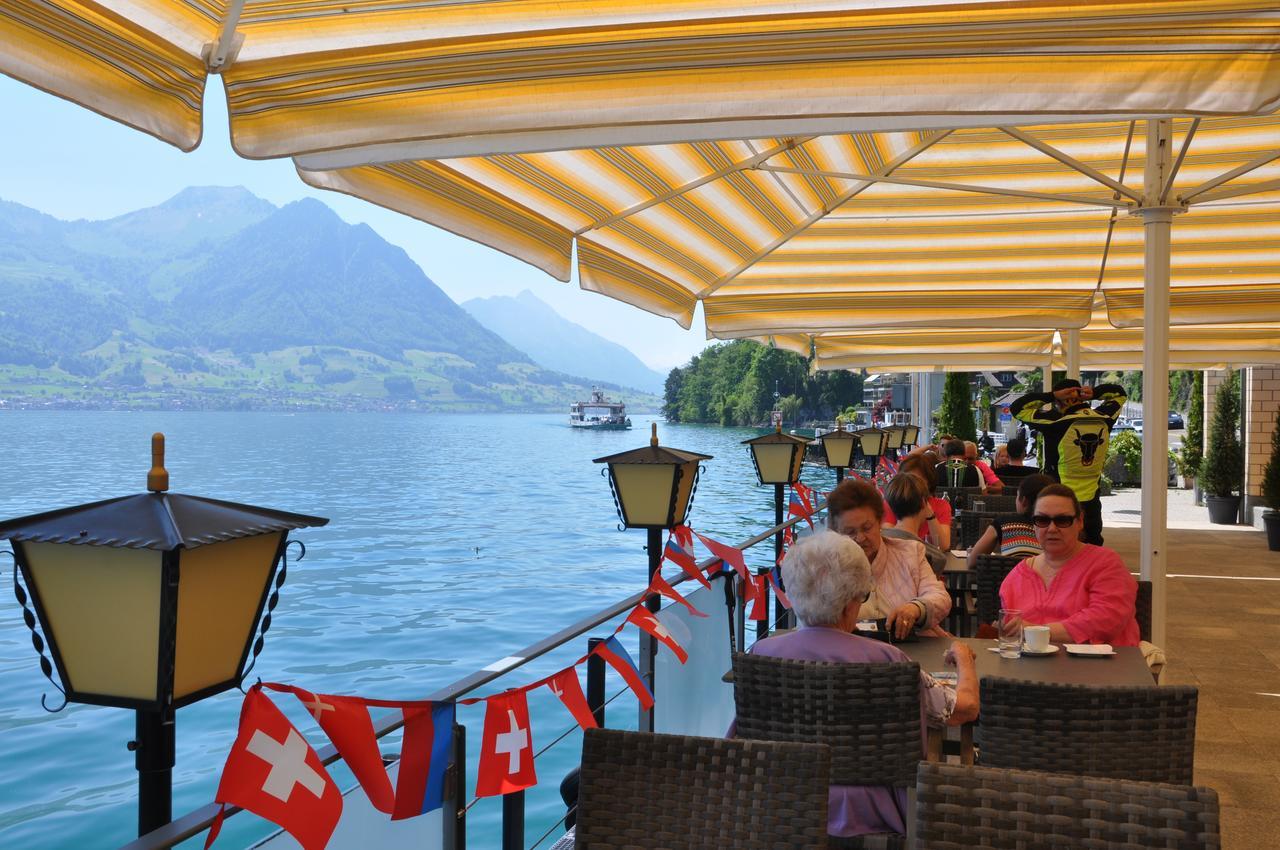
x: 990, y: 483
x: 1016, y: 468
x: 827, y: 578
x: 904, y: 591
x: 908, y: 498
x: 1013, y: 534
x: 954, y: 471
x: 1083, y: 593
x: 936, y: 528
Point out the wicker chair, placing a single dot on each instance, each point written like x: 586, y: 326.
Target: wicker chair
x: 1140, y: 733
x: 641, y: 790
x: 958, y: 496
x: 989, y: 574
x: 980, y: 807
x: 868, y: 713
x: 1143, y: 610
x: 967, y: 527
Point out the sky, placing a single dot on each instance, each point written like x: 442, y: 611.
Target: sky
x: 71, y: 163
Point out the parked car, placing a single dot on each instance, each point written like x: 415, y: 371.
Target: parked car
x: 1175, y: 420
x: 1122, y: 424
x: 1137, y: 425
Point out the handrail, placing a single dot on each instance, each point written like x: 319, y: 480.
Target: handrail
x: 200, y: 819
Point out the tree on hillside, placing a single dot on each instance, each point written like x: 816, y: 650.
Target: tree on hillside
x: 956, y: 414
x: 1193, y: 440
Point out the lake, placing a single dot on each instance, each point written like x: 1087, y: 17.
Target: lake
x: 453, y: 541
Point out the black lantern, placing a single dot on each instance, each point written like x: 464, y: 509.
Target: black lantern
x: 838, y: 446
x: 151, y: 602
x: 873, y: 442
x: 910, y: 434
x: 777, y: 457
x: 895, y: 436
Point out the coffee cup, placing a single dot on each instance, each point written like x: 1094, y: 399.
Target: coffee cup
x: 1036, y: 638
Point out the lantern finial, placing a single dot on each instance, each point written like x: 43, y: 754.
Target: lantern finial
x: 157, y: 476
x: 653, y: 435
x: 839, y: 423
x: 777, y: 427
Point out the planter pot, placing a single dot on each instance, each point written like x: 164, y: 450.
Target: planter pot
x: 1188, y: 482
x: 1223, y: 510
x: 1271, y: 519
x: 1197, y: 493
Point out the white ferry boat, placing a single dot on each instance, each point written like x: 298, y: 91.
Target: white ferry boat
x: 599, y: 413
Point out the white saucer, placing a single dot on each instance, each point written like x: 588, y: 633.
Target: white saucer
x: 1050, y: 651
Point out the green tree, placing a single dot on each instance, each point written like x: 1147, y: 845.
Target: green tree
x: 1223, y: 466
x: 984, y: 409
x: 671, y: 395
x: 956, y: 414
x: 1271, y: 475
x: 789, y: 406
x: 1192, y: 452
x: 1132, y: 383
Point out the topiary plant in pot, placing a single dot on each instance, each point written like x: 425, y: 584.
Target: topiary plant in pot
x: 1271, y: 489
x: 1223, y: 467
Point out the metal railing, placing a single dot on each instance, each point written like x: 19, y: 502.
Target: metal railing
x: 198, y: 820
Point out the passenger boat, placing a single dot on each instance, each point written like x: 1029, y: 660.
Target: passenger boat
x: 599, y: 413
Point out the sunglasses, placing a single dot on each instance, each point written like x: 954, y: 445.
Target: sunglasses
x: 1061, y: 520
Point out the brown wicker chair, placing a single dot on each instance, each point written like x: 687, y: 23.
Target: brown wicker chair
x: 1143, y: 610
x: 990, y: 572
x: 967, y: 527
x: 1140, y: 733
x: 979, y: 807
x: 868, y: 713
x: 642, y: 791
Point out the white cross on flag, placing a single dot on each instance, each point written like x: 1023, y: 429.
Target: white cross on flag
x: 506, y: 753
x: 647, y: 620
x: 273, y: 772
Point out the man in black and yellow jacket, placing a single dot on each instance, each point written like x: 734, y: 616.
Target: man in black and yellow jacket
x: 1075, y: 436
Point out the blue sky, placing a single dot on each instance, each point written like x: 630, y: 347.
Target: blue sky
x: 64, y: 160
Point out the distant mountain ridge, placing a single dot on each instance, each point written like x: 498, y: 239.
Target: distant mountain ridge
x: 218, y: 298
x: 553, y: 341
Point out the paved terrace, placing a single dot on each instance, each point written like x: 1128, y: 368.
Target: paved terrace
x: 1224, y: 637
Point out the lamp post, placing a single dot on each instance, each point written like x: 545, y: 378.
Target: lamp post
x: 873, y: 442
x: 150, y: 602
x: 910, y: 435
x: 778, y: 458
x: 653, y: 489
x: 837, y: 446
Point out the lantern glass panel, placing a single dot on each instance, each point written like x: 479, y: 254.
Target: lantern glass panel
x: 688, y: 472
x: 102, y: 610
x: 218, y: 596
x: 872, y: 443
x: 775, y: 463
x: 895, y: 436
x: 910, y: 436
x: 839, y: 450
x: 644, y: 490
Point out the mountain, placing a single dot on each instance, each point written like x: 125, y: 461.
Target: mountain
x: 217, y: 298
x: 532, y: 326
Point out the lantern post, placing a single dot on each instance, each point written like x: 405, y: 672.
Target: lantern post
x: 778, y: 458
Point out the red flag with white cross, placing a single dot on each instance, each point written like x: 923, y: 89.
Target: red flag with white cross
x: 273, y: 772
x: 645, y: 619
x: 506, y: 752
x: 568, y: 690
x: 347, y: 723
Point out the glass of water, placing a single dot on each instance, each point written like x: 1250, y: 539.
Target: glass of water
x: 1010, y: 626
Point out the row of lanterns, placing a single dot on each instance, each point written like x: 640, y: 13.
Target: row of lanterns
x: 153, y: 601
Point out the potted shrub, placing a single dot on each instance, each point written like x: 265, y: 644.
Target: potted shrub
x: 1192, y: 452
x: 1271, y: 489
x: 1223, y: 466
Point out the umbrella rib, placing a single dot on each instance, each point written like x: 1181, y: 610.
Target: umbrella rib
x: 1111, y: 220
x: 1071, y: 162
x: 1236, y: 191
x: 825, y: 211
x: 1251, y: 165
x: 719, y: 173
x: 953, y: 187
x: 1177, y: 165
x: 220, y: 50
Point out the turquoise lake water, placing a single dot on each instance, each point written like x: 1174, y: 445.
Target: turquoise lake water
x: 453, y: 541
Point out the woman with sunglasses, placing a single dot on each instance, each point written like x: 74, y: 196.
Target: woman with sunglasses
x: 1083, y: 593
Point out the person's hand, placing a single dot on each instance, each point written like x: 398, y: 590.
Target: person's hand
x: 959, y: 654
x: 903, y: 620
x: 1067, y: 395
x: 1085, y: 393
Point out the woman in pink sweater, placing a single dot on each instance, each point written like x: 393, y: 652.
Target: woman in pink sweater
x: 1083, y: 593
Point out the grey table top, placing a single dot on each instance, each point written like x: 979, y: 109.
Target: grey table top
x: 1126, y: 667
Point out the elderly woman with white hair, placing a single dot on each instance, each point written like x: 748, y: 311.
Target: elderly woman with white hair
x: 827, y: 577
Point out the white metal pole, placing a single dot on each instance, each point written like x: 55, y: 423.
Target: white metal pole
x: 1157, y: 225
x: 1048, y: 376
x: 1071, y: 342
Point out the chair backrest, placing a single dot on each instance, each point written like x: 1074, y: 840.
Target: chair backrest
x: 958, y: 496
x: 1002, y: 504
x: 641, y: 790
x: 868, y: 713
x: 1142, y: 606
x: 965, y: 807
x: 1142, y: 733
x: 967, y: 527
x: 989, y: 574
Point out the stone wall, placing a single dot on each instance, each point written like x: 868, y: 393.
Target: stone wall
x: 1263, y: 399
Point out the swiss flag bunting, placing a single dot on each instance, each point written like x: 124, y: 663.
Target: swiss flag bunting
x: 506, y: 752
x: 684, y: 536
x: 760, y: 608
x: 734, y: 558
x: 683, y: 558
x: 777, y: 588
x: 273, y: 772
x: 661, y: 586
x: 648, y: 621
x: 568, y: 690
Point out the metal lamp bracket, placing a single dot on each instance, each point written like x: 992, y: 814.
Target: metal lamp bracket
x: 37, y: 641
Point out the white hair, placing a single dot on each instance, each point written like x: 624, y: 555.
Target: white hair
x: 823, y: 573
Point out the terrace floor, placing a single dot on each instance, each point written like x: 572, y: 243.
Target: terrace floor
x: 1224, y: 637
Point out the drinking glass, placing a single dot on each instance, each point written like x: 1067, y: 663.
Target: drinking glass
x: 1010, y: 626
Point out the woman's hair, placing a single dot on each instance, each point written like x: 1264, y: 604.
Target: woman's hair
x: 906, y: 495
x: 823, y: 573
x: 1030, y: 488
x: 1061, y: 490
x: 849, y: 494
x: 922, y: 466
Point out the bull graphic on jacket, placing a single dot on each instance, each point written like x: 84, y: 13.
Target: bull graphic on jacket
x: 1075, y: 440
